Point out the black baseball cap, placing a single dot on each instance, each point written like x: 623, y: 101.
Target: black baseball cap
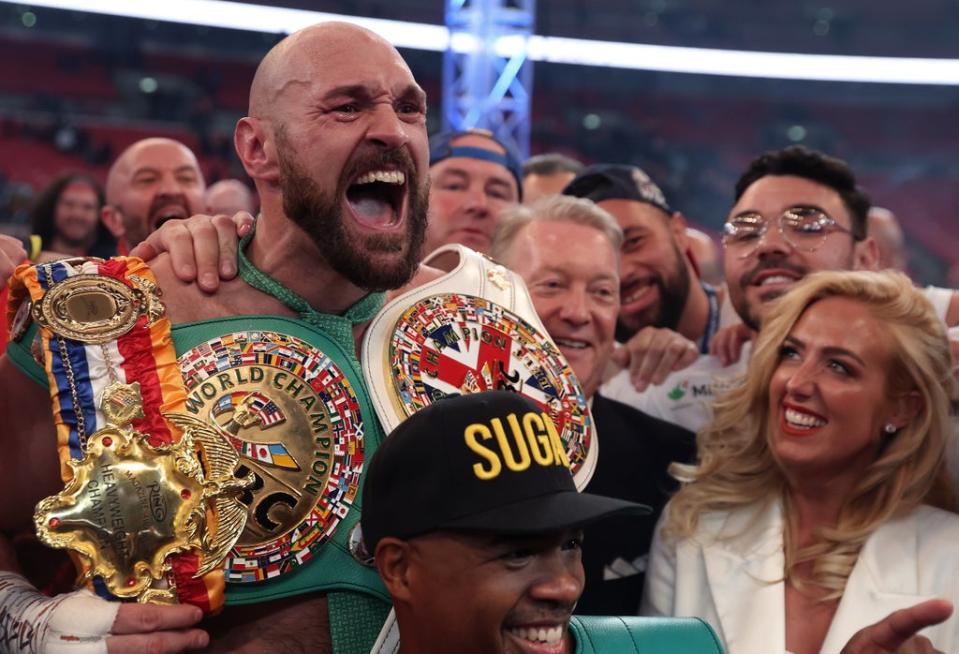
x: 441, y: 147
x: 487, y: 462
x: 616, y: 182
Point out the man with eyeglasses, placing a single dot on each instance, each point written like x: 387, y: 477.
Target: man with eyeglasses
x: 796, y: 211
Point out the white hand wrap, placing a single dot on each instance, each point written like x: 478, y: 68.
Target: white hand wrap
x: 32, y: 623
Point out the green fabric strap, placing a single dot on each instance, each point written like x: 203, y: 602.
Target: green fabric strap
x: 339, y: 328
x: 355, y: 621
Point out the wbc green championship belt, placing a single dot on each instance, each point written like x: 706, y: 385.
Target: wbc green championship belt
x: 474, y: 329
x: 292, y: 403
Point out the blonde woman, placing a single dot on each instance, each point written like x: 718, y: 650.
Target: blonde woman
x: 820, y: 503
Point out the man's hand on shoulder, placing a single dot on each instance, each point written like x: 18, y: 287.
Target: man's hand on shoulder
x: 727, y: 344
x: 202, y: 248
x: 653, y: 353
x: 12, y: 254
x: 896, y: 633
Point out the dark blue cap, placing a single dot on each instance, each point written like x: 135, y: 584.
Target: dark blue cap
x: 441, y: 147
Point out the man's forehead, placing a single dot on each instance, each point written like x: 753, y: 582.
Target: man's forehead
x: 470, y: 166
x: 554, y: 236
x: 552, y: 246
x: 324, y: 57
x: 162, y: 156
x: 490, y: 540
x: 362, y: 60
x: 153, y: 153
x: 776, y: 193
x: 387, y: 72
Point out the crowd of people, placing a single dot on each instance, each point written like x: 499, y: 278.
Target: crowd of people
x: 773, y: 423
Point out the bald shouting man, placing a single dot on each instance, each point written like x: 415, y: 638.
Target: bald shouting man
x: 336, y: 145
x: 152, y: 181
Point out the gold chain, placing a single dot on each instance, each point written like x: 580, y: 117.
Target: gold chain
x: 68, y: 369
x: 111, y: 371
x: 71, y: 380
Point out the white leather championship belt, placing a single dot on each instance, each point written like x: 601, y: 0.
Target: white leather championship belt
x: 473, y: 329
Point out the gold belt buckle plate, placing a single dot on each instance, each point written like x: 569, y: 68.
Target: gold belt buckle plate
x: 130, y: 504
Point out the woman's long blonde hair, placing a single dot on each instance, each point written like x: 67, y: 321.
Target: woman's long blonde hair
x: 736, y: 467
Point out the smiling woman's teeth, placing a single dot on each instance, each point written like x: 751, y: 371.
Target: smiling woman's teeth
x: 549, y: 636
x: 803, y: 420
x: 385, y: 176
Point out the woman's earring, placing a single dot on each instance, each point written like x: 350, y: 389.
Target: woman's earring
x: 890, y: 428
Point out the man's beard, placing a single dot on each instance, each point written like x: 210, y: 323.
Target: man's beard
x: 137, y: 227
x: 673, y: 293
x: 83, y: 240
x: 752, y: 314
x: 353, y: 256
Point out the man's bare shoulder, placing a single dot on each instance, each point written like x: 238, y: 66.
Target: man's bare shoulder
x: 423, y: 275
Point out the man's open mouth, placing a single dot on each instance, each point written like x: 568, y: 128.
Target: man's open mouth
x: 377, y: 199
x: 168, y: 212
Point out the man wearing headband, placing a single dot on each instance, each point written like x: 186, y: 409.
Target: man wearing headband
x: 473, y: 177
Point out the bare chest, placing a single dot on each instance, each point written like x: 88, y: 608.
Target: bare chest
x: 807, y: 621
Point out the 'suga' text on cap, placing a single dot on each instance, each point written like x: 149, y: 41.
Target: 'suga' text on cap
x: 533, y: 440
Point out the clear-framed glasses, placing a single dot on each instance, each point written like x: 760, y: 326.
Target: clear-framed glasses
x: 804, y: 228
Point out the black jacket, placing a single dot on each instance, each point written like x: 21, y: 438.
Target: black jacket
x: 635, y: 450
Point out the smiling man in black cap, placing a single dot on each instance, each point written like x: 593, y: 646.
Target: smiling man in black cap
x: 658, y: 284
x: 474, y: 524
x: 667, y: 315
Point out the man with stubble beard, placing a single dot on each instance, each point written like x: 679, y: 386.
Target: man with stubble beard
x: 336, y: 144
x: 154, y: 180
x: 667, y: 315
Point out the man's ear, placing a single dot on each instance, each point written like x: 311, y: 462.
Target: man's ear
x: 113, y: 220
x: 393, y: 563
x: 866, y: 255
x: 256, y: 147
x: 677, y: 225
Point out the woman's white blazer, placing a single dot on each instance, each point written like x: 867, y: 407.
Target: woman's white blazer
x: 735, y: 583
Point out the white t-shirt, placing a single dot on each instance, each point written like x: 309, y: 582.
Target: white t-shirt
x: 685, y: 398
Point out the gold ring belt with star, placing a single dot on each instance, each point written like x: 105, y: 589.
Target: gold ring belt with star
x: 149, y: 509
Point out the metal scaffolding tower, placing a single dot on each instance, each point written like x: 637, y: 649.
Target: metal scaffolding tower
x: 487, y: 76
